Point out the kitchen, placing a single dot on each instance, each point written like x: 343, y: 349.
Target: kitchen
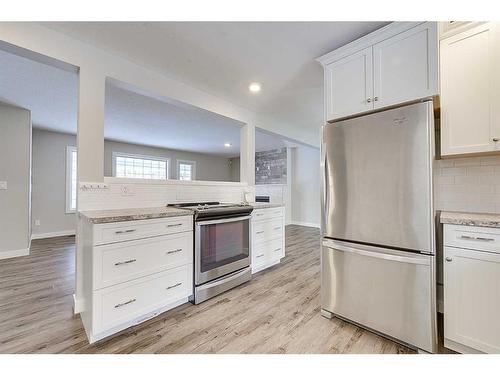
x: 391, y: 218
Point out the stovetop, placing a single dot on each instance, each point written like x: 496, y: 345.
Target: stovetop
x: 205, y: 209
x: 200, y: 206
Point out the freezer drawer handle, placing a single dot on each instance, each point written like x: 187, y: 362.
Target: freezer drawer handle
x: 416, y: 259
x: 125, y: 303
x: 464, y: 237
x: 174, y: 251
x: 125, y: 262
x: 174, y: 286
x: 125, y: 231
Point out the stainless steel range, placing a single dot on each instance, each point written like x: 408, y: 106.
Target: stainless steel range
x: 221, y: 247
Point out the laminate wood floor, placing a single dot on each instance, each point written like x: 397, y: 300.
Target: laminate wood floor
x: 277, y: 312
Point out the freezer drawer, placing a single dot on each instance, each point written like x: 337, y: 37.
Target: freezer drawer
x: 384, y: 290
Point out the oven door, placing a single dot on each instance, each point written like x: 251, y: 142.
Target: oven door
x: 222, y: 246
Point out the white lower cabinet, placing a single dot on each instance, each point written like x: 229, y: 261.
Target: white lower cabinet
x: 268, y: 237
x: 148, y: 271
x: 472, y: 289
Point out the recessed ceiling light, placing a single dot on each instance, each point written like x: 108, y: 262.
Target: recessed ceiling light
x: 227, y: 144
x: 254, y: 87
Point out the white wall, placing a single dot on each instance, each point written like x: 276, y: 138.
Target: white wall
x: 15, y: 170
x: 305, y: 186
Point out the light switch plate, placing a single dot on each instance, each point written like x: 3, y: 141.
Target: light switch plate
x: 3, y: 185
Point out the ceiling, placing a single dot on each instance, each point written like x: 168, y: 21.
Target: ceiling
x: 50, y: 93
x: 222, y: 58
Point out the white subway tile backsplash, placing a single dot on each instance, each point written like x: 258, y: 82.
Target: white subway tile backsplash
x: 454, y: 171
x: 467, y: 184
x: 482, y: 170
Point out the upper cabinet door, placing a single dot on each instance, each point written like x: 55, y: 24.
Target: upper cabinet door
x: 406, y: 66
x: 349, y: 85
x: 468, y: 75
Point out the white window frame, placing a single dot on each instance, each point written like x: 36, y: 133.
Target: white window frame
x: 193, y: 170
x: 69, y: 153
x: 139, y: 156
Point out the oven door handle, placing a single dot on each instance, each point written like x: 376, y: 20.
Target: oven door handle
x: 221, y: 221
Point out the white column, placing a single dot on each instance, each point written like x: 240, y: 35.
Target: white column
x: 90, y: 142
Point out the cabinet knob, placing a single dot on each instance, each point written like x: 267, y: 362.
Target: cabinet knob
x: 496, y: 139
x: 369, y: 100
x: 375, y: 98
x: 448, y: 259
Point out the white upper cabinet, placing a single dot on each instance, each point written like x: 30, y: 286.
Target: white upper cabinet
x: 393, y: 65
x: 470, y: 86
x: 405, y: 66
x: 349, y: 83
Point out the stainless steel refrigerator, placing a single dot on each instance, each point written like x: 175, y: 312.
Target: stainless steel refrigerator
x: 378, y: 247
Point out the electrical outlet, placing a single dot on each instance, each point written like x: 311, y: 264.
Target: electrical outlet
x: 127, y: 191
x: 37, y: 222
x: 3, y: 185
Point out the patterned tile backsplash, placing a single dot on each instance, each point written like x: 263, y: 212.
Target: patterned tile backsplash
x: 270, y: 166
x: 468, y: 184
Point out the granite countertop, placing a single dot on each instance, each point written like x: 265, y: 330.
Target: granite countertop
x: 470, y: 218
x: 130, y: 214
x: 257, y: 205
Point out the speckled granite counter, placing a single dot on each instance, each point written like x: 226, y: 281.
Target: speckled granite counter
x: 472, y: 219
x: 257, y: 205
x: 129, y: 214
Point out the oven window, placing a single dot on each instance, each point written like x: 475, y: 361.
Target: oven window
x: 223, y: 243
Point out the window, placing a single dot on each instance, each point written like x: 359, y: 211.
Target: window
x: 186, y: 170
x: 137, y: 166
x: 71, y: 184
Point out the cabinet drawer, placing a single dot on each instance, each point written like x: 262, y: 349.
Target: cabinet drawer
x: 131, y: 230
x: 267, y: 213
x: 121, y: 303
x: 267, y: 230
x: 268, y: 251
x: 475, y: 238
x: 124, y: 261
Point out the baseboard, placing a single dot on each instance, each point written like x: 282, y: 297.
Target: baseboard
x: 304, y: 224
x: 78, y: 305
x: 14, y: 253
x: 39, y: 236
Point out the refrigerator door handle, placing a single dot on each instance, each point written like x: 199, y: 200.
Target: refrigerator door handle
x: 377, y: 253
x: 324, y: 186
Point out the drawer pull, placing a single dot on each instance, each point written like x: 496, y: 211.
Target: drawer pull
x: 278, y: 249
x: 126, y: 262
x: 174, y: 251
x: 174, y: 286
x: 276, y: 228
x: 464, y: 237
x: 259, y: 214
x: 125, y: 231
x: 174, y: 225
x: 448, y: 259
x: 260, y: 256
x: 125, y: 303
x: 259, y: 232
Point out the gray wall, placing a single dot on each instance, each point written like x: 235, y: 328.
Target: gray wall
x: 15, y: 168
x: 306, y: 185
x: 49, y: 182
x: 208, y: 167
x: 270, y: 166
x: 49, y: 174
